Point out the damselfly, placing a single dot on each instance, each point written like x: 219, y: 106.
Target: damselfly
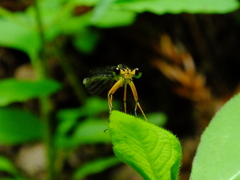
x: 123, y: 77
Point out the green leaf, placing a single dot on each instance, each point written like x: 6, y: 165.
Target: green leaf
x: 218, y: 154
x: 12, y: 90
x: 91, y: 129
x: 87, y: 132
x: 17, y: 126
x: 18, y: 32
x: 21, y: 32
x: 157, y: 118
x: 115, y: 17
x: 101, y: 8
x: 96, y: 166
x: 86, y: 41
x: 176, y: 6
x: 153, y: 152
x: 7, y: 166
x: 91, y: 110
x: 93, y: 107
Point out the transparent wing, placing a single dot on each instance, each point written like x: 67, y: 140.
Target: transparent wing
x: 96, y: 84
x: 107, y: 70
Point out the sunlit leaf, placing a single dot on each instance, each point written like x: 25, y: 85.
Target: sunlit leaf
x: 153, y: 152
x: 218, y: 154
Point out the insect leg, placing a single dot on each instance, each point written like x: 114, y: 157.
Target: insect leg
x: 115, y: 87
x: 135, y: 95
x: 125, y: 98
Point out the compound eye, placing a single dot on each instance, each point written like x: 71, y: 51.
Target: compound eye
x: 138, y: 73
x: 117, y: 71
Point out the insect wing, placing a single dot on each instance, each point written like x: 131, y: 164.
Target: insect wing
x: 96, y: 84
x: 102, y: 71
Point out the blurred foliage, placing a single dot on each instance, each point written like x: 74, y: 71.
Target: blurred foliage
x: 18, y: 126
x: 13, y: 90
x: 72, y: 133
x: 95, y: 166
x: 31, y: 31
x: 7, y: 166
x: 57, y: 18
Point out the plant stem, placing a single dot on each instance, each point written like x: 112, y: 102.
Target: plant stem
x: 72, y: 77
x: 45, y: 103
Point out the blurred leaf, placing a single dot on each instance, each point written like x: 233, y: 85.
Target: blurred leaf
x: 76, y: 24
x: 12, y: 90
x: 92, y: 108
x: 159, y: 119
x: 87, y: 132
x: 218, y: 154
x: 96, y: 166
x: 69, y: 117
x: 91, y: 129
x: 18, y: 32
x: 115, y: 18
x: 152, y: 151
x: 86, y: 41
x: 95, y: 106
x: 100, y: 9
x: 85, y: 2
x: 176, y: 6
x: 17, y: 126
x: 7, y: 166
x: 20, y: 29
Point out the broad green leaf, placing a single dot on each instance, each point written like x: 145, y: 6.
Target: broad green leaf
x: 96, y: 166
x: 176, y: 6
x: 12, y: 90
x: 153, y: 152
x: 17, y: 126
x: 218, y: 154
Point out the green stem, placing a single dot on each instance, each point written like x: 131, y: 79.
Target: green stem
x: 72, y: 77
x: 45, y: 104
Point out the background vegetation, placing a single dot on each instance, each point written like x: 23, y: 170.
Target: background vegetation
x: 188, y: 52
